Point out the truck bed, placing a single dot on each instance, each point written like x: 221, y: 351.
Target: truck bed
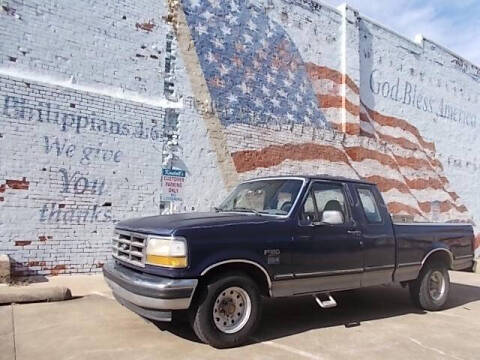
x: 416, y: 240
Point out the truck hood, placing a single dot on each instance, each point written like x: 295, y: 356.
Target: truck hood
x: 167, y: 224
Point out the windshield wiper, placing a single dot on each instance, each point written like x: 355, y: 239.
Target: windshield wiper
x: 217, y: 209
x: 246, y: 210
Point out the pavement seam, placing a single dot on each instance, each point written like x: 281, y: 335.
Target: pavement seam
x: 13, y: 334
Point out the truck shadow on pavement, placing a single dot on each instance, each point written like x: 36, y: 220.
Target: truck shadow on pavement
x: 288, y: 316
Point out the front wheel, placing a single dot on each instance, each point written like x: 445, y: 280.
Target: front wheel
x: 228, y: 311
x: 430, y: 290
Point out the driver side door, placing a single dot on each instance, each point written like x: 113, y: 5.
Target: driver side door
x: 326, y: 256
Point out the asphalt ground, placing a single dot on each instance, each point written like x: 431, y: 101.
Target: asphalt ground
x: 372, y: 323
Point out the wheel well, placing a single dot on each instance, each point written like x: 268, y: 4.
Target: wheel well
x: 254, y: 272
x: 442, y: 256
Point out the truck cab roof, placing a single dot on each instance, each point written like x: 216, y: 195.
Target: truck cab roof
x: 315, y: 177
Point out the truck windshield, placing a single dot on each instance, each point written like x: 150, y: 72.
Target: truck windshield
x: 269, y: 196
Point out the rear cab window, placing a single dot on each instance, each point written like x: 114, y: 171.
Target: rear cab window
x: 369, y: 205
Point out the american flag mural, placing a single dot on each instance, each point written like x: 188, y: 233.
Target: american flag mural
x: 290, y: 110
x: 250, y: 65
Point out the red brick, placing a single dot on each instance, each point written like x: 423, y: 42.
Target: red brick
x: 18, y: 184
x: 22, y: 242
x: 36, y: 263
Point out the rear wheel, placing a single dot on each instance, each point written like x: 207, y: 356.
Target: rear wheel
x: 228, y: 311
x: 430, y: 290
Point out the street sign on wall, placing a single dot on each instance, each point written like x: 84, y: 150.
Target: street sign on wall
x: 172, y: 184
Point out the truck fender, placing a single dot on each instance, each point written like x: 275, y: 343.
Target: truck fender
x: 240, y: 261
x: 440, y: 247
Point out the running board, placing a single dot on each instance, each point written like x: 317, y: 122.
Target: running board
x: 325, y: 304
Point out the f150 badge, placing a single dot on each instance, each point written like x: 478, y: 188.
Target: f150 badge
x: 273, y: 256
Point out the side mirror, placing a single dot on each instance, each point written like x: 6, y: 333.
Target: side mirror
x: 333, y: 217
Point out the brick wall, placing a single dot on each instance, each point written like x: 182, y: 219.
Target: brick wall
x: 72, y: 164
x: 92, y: 93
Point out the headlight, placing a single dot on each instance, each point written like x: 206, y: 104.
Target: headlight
x: 167, y: 251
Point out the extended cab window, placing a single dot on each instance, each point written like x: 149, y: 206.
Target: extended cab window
x: 369, y: 205
x: 324, y: 197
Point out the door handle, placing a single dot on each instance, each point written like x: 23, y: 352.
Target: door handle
x: 354, y: 232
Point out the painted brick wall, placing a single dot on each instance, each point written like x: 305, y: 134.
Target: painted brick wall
x: 117, y: 44
x: 72, y: 164
x: 91, y: 93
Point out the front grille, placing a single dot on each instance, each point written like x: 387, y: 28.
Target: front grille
x: 129, y: 247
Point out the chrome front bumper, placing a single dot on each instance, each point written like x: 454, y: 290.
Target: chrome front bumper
x: 148, y: 295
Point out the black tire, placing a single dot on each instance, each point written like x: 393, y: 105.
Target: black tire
x: 202, y: 313
x: 420, y: 292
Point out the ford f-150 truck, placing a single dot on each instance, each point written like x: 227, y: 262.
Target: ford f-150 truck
x: 275, y: 237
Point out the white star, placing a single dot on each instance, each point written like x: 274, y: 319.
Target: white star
x: 251, y: 25
x: 232, y: 20
x: 207, y: 15
x: 290, y: 75
x: 309, y: 111
x: 270, y: 79
x: 211, y: 57
x: 265, y: 90
x: 218, y: 44
x: 294, y: 106
x: 298, y: 97
x: 248, y: 38
x: 258, y: 102
x: 307, y: 120
x: 275, y: 102
x: 269, y: 33
x: 226, y: 30
x: 287, y: 82
x: 234, y: 6
x: 282, y: 93
x: 245, y: 89
x: 215, y: 3
x: 290, y: 117
x: 232, y: 98
x: 201, y: 29
x: 224, y: 70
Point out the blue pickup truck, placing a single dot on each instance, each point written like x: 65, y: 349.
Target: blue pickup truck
x: 274, y: 237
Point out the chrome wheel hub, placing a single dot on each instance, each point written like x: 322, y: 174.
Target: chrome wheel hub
x: 231, y: 310
x: 436, y: 285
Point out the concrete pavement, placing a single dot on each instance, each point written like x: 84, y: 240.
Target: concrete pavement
x: 7, y: 346
x: 374, y: 323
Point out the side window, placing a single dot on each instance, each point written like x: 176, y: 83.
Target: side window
x: 369, y: 205
x: 308, y: 212
x: 330, y: 198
